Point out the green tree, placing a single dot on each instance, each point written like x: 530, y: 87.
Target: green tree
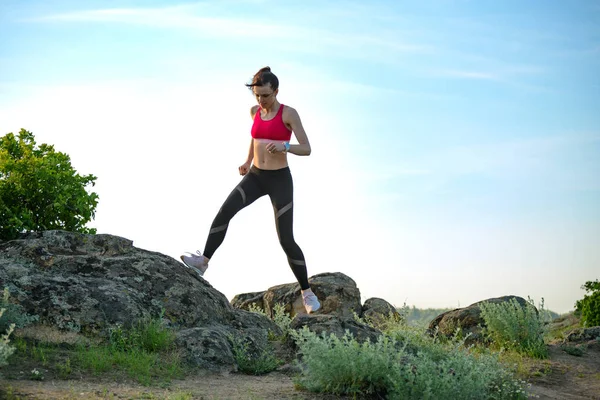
x: 589, y: 306
x: 40, y: 190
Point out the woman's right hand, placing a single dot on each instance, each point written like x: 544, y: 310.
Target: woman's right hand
x: 244, y: 168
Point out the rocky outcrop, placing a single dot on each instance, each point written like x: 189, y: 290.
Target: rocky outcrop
x: 380, y: 313
x: 581, y: 335
x: 467, y: 319
x: 338, y: 294
x: 87, y: 283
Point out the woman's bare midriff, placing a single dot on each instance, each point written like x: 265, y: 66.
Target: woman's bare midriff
x: 265, y: 160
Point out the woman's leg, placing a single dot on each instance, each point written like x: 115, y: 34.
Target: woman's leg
x: 281, y: 191
x: 244, y: 194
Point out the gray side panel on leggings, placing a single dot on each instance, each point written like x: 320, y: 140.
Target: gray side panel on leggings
x: 242, y: 193
x: 218, y: 229
x: 284, y: 209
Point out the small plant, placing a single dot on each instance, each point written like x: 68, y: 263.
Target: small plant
x: 256, y: 309
x: 64, y: 369
x: 516, y: 327
x: 589, y: 306
x: 282, y: 319
x: 13, y: 313
x: 573, y: 350
x: 181, y: 396
x: 255, y: 363
x: 5, y: 349
x: 36, y: 375
x: 146, y: 334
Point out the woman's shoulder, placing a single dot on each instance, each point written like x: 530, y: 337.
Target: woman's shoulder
x: 253, y: 110
x: 287, y: 110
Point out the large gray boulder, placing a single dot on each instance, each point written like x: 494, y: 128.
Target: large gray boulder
x: 87, y: 283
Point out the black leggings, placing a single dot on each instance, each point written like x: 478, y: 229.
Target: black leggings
x: 278, y: 184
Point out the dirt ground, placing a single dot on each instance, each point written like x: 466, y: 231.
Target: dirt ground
x: 562, y: 376
x: 570, y: 377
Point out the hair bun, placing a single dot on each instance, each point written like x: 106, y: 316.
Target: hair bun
x: 265, y: 69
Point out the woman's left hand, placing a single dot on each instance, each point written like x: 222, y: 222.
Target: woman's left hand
x: 274, y: 147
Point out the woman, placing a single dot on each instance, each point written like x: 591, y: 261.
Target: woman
x: 266, y: 172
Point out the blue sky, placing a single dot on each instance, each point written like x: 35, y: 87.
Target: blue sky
x: 456, y: 144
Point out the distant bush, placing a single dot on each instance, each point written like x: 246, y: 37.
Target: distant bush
x: 40, y: 190
x: 421, y: 317
x: 589, y: 306
x: 517, y: 327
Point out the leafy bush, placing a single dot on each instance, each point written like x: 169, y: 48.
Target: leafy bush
x: 5, y: 349
x: 394, y: 367
x: 280, y: 317
x: 573, y: 350
x: 589, y: 306
x: 40, y: 190
x: 259, y: 362
x: 13, y: 314
x: 517, y: 327
x: 344, y: 366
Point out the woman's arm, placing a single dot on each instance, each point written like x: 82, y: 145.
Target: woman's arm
x: 291, y: 118
x: 251, y: 151
x: 253, y: 111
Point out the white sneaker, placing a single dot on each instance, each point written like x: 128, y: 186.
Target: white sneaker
x: 310, y: 301
x: 198, y: 263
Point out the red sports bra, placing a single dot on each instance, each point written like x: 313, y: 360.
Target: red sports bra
x: 273, y: 129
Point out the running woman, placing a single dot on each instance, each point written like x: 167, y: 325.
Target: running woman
x: 266, y: 172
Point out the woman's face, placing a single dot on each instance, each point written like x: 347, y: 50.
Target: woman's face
x: 265, y: 96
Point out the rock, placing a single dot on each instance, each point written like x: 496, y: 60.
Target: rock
x: 247, y: 300
x: 468, y: 319
x: 380, y: 313
x: 77, y: 282
x: 208, y: 347
x: 583, y: 335
x: 337, y: 293
x: 331, y: 324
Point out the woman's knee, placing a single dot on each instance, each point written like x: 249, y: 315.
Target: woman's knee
x: 288, y: 244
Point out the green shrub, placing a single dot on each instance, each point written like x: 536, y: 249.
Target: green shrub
x: 573, y: 350
x: 5, y: 349
x: 589, y: 306
x: 13, y: 314
x: 147, y: 334
x: 406, y: 365
x: 282, y: 319
x: 516, y: 327
x: 40, y: 190
x: 258, y: 362
x: 345, y: 366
